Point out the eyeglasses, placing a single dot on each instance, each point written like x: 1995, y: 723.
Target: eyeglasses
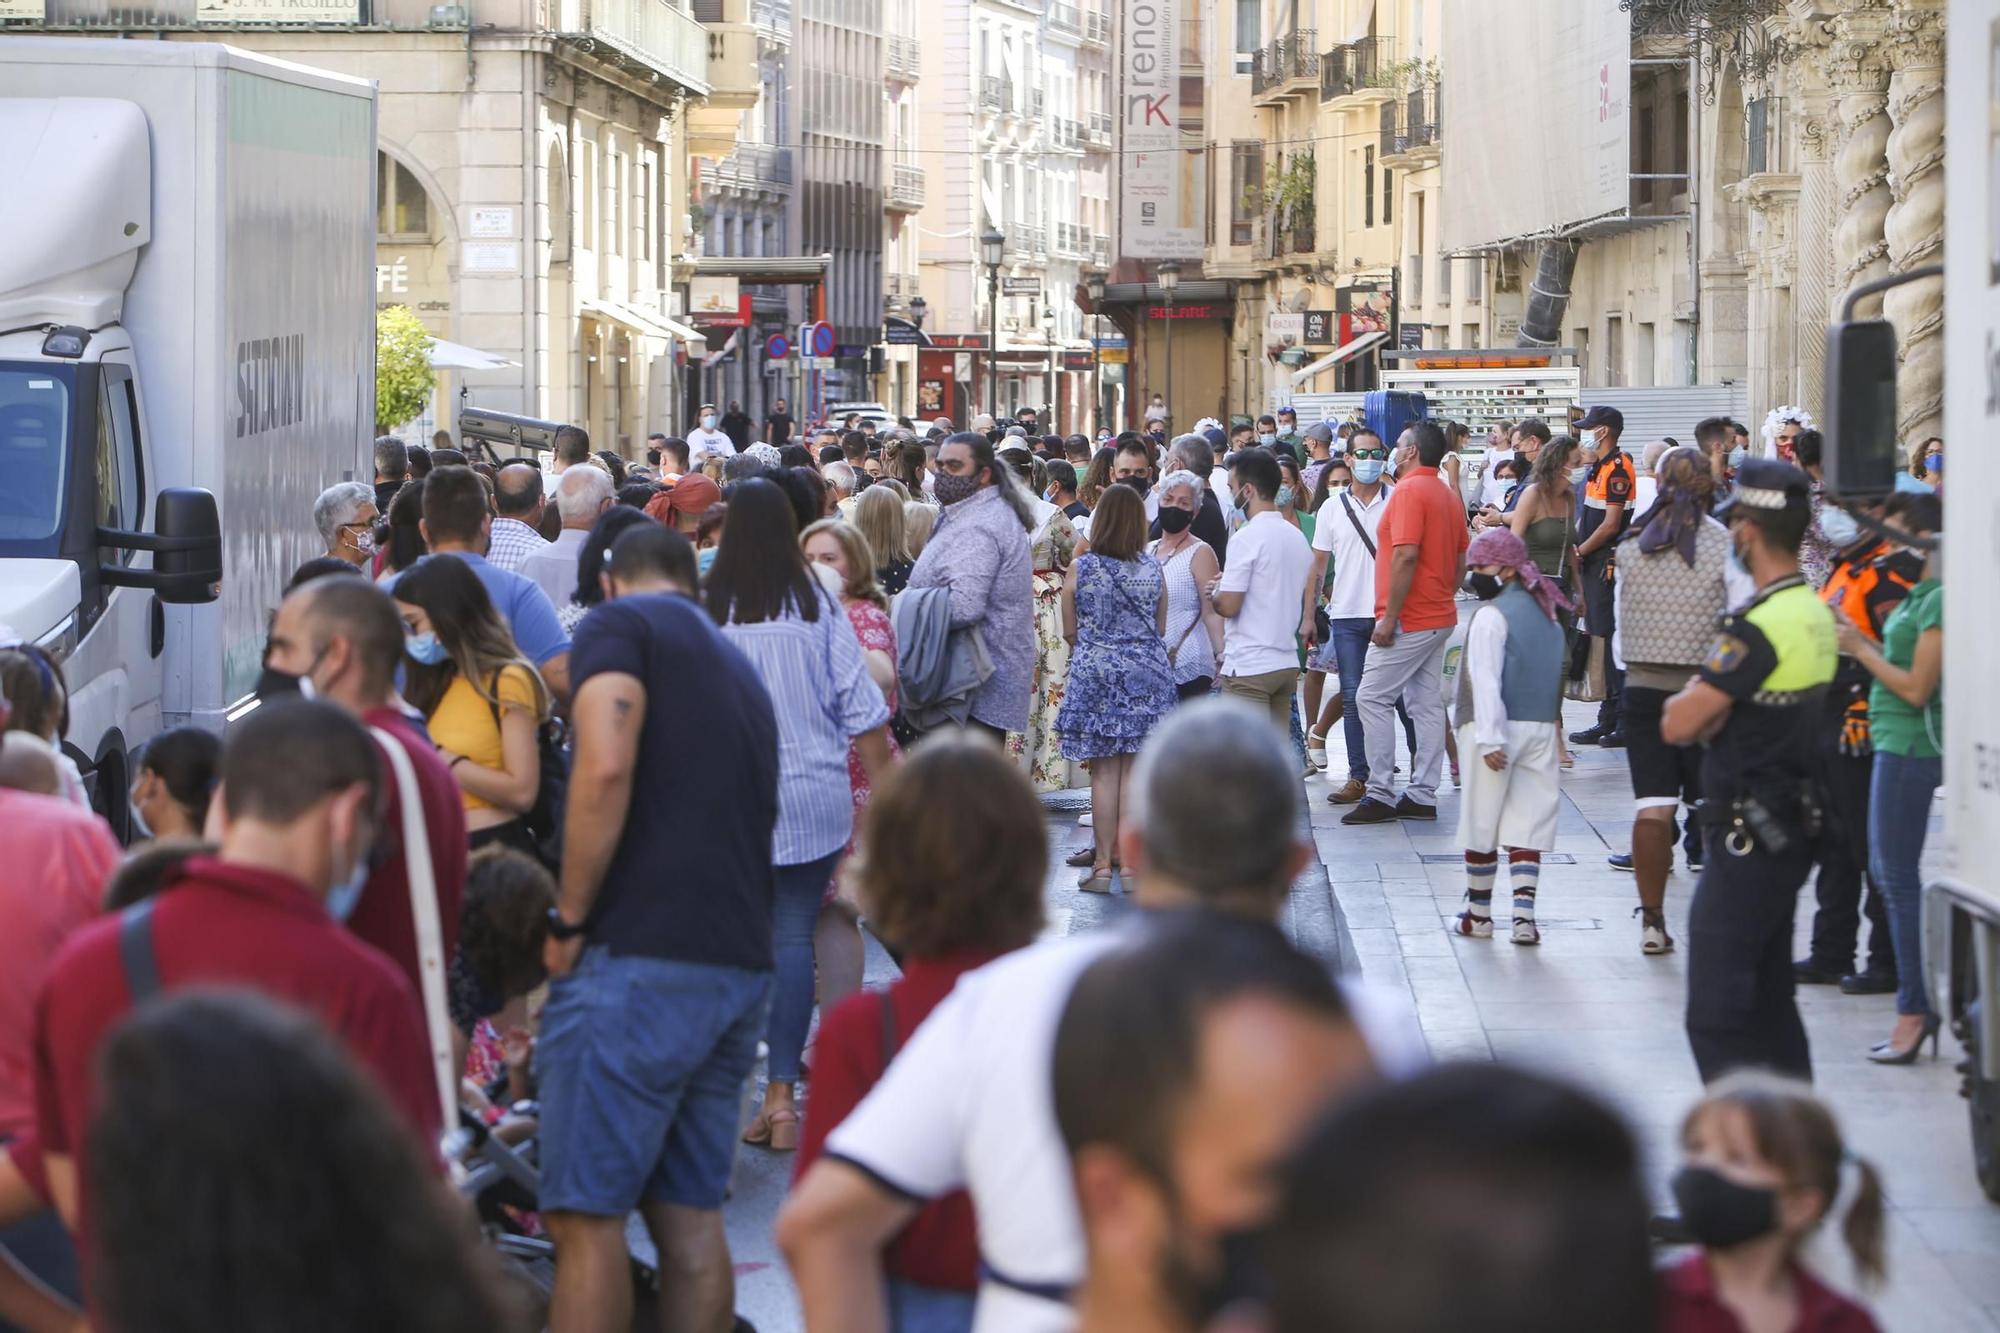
x: 1370, y: 453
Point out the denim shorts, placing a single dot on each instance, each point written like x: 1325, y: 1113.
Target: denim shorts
x: 641, y: 1063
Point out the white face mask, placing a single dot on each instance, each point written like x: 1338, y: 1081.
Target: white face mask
x: 1578, y: 475
x: 708, y: 421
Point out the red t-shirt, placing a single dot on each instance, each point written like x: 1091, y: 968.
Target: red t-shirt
x: 382, y: 915
x: 1422, y: 512
x: 940, y: 1247
x: 1688, y: 1304
x: 228, y: 925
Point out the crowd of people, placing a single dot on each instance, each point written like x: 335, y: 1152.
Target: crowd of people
x: 572, y: 786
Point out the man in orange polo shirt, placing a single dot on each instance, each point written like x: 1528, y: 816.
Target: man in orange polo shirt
x: 1421, y: 560
x: 1608, y: 489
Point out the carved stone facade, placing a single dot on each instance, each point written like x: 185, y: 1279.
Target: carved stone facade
x: 1852, y: 191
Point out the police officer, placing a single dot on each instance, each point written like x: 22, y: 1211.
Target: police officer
x: 1607, y: 503
x: 1755, y: 704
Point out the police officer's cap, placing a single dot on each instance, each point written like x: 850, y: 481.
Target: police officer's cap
x: 1769, y: 485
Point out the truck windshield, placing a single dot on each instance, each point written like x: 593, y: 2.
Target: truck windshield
x: 34, y: 431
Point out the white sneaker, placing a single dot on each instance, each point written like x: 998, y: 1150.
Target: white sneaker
x: 1525, y: 931
x: 1653, y: 937
x: 1083, y: 821
x: 1476, y: 927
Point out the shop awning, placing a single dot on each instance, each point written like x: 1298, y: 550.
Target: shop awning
x: 1347, y: 351
x: 457, y: 356
x: 766, y: 270
x: 643, y: 321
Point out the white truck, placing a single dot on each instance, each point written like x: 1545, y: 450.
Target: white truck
x: 1962, y: 907
x: 187, y: 359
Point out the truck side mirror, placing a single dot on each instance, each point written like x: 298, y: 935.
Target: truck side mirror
x: 1861, y: 457
x: 186, y: 542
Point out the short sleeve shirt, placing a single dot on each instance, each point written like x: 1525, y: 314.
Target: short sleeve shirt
x: 465, y: 723
x: 529, y: 613
x: 1896, y: 727
x: 1774, y: 659
x: 1425, y: 514
x: 1611, y: 481
x: 691, y: 879
x: 1353, y: 596
x: 1273, y: 561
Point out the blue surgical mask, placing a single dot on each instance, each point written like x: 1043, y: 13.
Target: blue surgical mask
x: 1579, y: 475
x: 1839, y: 527
x: 1266, y: 438
x: 708, y: 421
x: 1368, y: 471
x: 1737, y: 455
x: 1285, y: 497
x: 425, y: 648
x: 704, y: 559
x: 342, y: 898
x: 1934, y: 462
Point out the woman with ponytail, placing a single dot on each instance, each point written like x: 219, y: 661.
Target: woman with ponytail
x: 1764, y: 1167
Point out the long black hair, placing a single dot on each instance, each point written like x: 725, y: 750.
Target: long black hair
x: 758, y: 569
x: 406, y: 511
x: 597, y: 546
x: 479, y: 640
x: 263, y: 1107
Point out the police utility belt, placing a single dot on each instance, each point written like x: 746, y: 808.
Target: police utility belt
x: 1753, y: 823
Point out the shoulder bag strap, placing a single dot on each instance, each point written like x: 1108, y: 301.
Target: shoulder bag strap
x: 135, y: 952
x: 422, y: 877
x: 1173, y: 653
x: 1359, y: 531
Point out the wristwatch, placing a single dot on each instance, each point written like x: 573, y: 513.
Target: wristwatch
x: 560, y: 929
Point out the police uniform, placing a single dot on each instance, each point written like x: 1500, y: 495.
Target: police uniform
x: 1612, y: 480
x: 1865, y: 585
x: 1775, y: 660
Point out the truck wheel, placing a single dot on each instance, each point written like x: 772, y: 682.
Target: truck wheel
x: 1984, y: 1096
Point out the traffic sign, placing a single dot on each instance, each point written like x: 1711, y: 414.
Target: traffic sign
x: 777, y: 347
x: 822, y: 339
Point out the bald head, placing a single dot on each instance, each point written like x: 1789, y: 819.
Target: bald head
x: 28, y: 763
x: 517, y: 492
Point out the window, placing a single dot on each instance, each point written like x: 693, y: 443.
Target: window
x: 1388, y: 197
x: 587, y: 191
x: 118, y: 497
x: 1445, y: 265
x: 1368, y: 186
x: 1471, y: 336
x: 402, y: 209
x: 1614, y: 349
x: 1246, y: 189
x: 1644, y: 352
x: 1249, y: 24
x: 1475, y: 290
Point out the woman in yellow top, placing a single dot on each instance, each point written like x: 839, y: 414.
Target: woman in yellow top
x: 483, y: 701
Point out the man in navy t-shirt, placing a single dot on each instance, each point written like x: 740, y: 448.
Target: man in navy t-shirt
x: 660, y: 941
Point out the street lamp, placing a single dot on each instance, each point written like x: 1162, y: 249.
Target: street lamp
x: 992, y: 246
x: 1170, y: 278
x: 1093, y: 284
x: 918, y: 306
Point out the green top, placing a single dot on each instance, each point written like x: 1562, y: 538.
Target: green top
x: 1895, y: 726
x: 1549, y: 544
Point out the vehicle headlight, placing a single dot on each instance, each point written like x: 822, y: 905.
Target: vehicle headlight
x: 59, y: 642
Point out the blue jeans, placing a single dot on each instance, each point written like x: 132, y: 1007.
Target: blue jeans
x: 1899, y: 808
x: 801, y: 889
x: 1350, y: 650
x: 641, y: 1065
x: 915, y: 1309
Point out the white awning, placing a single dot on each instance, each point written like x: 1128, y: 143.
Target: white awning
x: 457, y: 356
x: 1361, y: 28
x: 643, y: 321
x: 1347, y: 351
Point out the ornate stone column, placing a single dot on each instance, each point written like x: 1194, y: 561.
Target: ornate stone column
x: 1855, y: 66
x: 1914, y: 226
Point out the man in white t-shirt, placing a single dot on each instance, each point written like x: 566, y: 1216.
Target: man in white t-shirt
x: 705, y: 439
x: 1264, y: 593
x: 1344, y: 530
x: 967, y: 1104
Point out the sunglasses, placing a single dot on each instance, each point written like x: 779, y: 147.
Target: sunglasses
x: 1369, y: 453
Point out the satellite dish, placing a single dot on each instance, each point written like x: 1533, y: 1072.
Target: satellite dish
x: 1299, y: 301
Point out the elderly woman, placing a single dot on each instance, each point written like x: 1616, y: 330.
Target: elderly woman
x: 979, y: 551
x: 345, y: 515
x: 1194, y: 630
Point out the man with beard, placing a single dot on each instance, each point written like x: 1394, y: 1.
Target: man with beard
x: 1186, y: 1069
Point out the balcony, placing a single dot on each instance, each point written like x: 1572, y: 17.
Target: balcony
x: 755, y: 169
x: 996, y: 93
x: 1072, y: 240
x: 734, y: 81
x: 1026, y: 242
x: 1096, y: 132
x: 773, y: 21
x: 1356, y: 70
x: 1410, y: 127
x: 651, y: 37
x: 1065, y: 136
x: 902, y: 59
x: 1100, y: 249
x: 1065, y: 19
x: 906, y: 188
x: 1287, y: 68
x: 1097, y: 28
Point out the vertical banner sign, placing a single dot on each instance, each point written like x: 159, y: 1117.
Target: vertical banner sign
x: 1150, y: 205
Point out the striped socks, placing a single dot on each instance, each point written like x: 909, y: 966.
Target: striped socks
x: 1524, y: 871
x: 1482, y: 870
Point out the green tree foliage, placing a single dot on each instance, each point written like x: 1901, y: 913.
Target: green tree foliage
x: 403, y: 373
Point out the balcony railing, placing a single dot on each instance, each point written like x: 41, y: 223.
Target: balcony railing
x: 902, y: 59
x: 1073, y: 240
x: 652, y: 35
x: 1066, y: 134
x: 1348, y: 69
x: 773, y: 20
x: 996, y: 93
x: 1097, y: 28
x: 1294, y: 56
x: 754, y: 168
x: 1100, y: 249
x: 1410, y: 123
x: 1096, y: 132
x: 1065, y: 18
x: 1026, y: 240
x: 906, y: 187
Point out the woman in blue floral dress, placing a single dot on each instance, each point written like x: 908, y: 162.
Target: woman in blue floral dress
x: 1114, y: 609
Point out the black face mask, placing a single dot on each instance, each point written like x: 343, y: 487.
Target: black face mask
x: 1138, y: 483
x: 1483, y: 586
x: 1720, y: 1213
x: 275, y: 684
x: 1174, y: 520
x: 1203, y: 1291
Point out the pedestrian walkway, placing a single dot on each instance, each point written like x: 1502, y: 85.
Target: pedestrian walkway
x: 1586, y: 1004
